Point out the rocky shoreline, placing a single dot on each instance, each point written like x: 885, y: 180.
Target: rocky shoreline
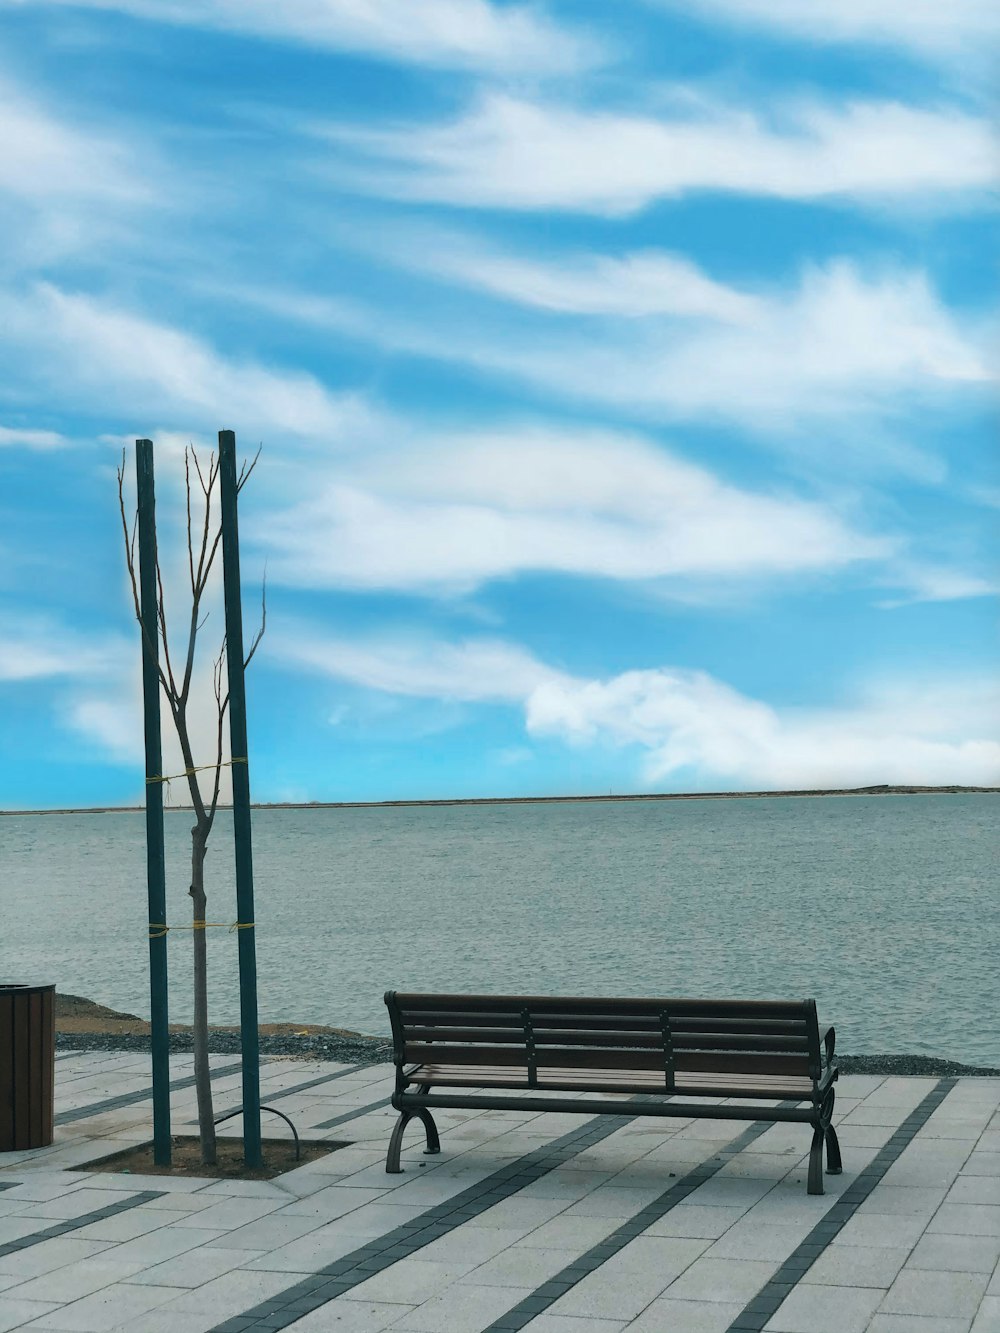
x: 356, y: 1048
x: 82, y: 1025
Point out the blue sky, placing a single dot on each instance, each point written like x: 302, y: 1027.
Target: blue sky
x: 625, y: 376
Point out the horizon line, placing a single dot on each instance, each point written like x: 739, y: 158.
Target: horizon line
x: 879, y: 789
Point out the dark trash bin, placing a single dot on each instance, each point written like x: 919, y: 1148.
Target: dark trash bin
x: 27, y: 1066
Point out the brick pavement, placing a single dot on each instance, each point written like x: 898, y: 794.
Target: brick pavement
x: 554, y: 1224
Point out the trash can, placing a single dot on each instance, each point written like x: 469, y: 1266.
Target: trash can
x: 27, y: 1066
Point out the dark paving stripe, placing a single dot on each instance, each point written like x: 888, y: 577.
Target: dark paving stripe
x: 764, y: 1305
x: 402, y: 1242
x: 75, y: 1223
x: 302, y: 1087
x: 549, y: 1292
x: 353, y: 1115
x: 130, y: 1098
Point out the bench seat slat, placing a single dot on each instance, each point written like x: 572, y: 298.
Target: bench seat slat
x: 647, y: 1022
x: 613, y: 1080
x: 725, y: 1062
x: 692, y: 1041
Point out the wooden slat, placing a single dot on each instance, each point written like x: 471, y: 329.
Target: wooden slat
x: 421, y: 1053
x: 412, y: 1003
x: 724, y: 1062
x: 508, y: 1036
x: 701, y: 1041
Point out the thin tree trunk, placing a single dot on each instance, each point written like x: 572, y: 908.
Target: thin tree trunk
x: 202, y: 1076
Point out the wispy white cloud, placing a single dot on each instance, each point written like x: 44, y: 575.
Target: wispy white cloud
x: 517, y: 154
x: 839, y: 360
x: 45, y: 159
x: 453, y: 514
x: 636, y: 284
x: 689, y: 721
x: 449, y: 34
x: 36, y: 647
x: 16, y: 437
x: 94, y: 350
x: 477, y: 670
x: 680, y: 721
x: 927, y: 27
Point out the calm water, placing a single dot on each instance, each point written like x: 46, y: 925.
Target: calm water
x: 883, y: 908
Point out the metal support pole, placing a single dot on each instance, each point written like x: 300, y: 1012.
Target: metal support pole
x: 155, y: 864
x: 249, y: 1039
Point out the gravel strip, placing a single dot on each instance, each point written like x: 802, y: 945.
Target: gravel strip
x: 378, y: 1050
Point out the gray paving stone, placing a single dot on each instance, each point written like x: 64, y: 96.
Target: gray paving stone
x: 332, y: 1202
x: 967, y: 1219
x: 606, y: 1294
x: 669, y: 1255
x: 343, y: 1316
x: 881, y: 1231
x: 682, y: 1317
x: 408, y: 1282
x: 75, y: 1280
x: 49, y: 1255
x: 908, y: 1323
x: 710, y: 1279
x: 552, y: 1323
x: 902, y: 1200
x: 126, y: 1226
x: 570, y: 1233
x: 462, y: 1308
x: 988, y: 1318
x: 852, y: 1266
x: 226, y: 1296
x: 975, y: 1189
x: 823, y: 1309
x: 16, y: 1313
x: 917, y: 1291
x: 956, y: 1254
x: 267, y: 1233
x: 982, y: 1164
x: 192, y: 1268
x: 229, y: 1213
x: 522, y: 1266
x: 706, y: 1223
x: 111, y: 1307
x: 748, y: 1239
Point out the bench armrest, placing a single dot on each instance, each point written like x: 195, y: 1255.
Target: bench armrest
x: 828, y: 1036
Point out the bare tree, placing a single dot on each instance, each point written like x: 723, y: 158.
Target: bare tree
x: 203, y: 537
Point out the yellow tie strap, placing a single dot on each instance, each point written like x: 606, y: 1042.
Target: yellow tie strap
x: 202, y: 768
x: 157, y: 929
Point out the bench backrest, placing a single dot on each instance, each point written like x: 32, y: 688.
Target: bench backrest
x: 532, y: 1032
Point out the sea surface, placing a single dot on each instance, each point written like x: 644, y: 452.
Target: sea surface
x: 885, y: 909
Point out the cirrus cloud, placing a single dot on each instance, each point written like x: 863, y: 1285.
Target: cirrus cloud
x: 528, y: 155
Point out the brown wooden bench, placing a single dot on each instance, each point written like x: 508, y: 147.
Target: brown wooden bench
x: 666, y: 1053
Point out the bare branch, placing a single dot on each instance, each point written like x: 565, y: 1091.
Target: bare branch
x: 198, y: 469
x: 263, y: 622
x: 161, y: 611
x: 187, y: 492
x: 245, y: 471
x: 130, y: 563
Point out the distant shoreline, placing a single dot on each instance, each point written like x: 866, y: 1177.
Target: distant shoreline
x: 880, y: 790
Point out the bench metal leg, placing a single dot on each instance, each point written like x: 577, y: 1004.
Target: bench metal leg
x: 824, y: 1134
x: 834, y: 1166
x: 815, y: 1185
x: 396, y: 1141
